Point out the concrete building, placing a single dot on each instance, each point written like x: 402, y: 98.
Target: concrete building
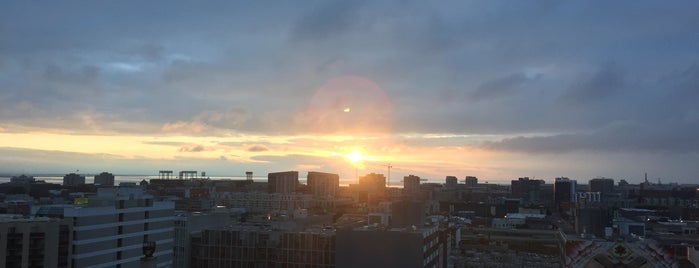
x: 34, y: 241
x: 104, y: 179
x: 22, y: 179
x: 261, y: 202
x: 412, y: 247
x: 259, y: 246
x: 407, y: 214
x: 411, y: 185
x: 471, y: 181
x: 370, y: 189
x: 283, y: 182
x: 564, y: 190
x: 188, y: 224
x: 593, y: 220
x: 73, y: 179
x: 528, y: 190
x: 373, y: 182
x: 323, y: 185
x: 111, y: 229
x: 451, y: 182
x: 602, y: 185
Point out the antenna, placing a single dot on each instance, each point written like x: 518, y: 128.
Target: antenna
x: 388, y: 180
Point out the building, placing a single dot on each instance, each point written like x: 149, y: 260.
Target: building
x: 283, y: 182
x: 412, y: 247
x: 259, y: 246
x: 323, y: 185
x: 451, y: 182
x: 370, y: 189
x: 564, y: 190
x: 593, y: 220
x: 188, y: 224
x: 411, y: 185
x: 373, y: 183
x: 407, y: 214
x: 602, y: 185
x: 528, y: 190
x: 73, y: 179
x: 22, y: 179
x: 112, y: 227
x: 104, y: 179
x: 34, y: 241
x: 471, y: 181
x: 262, y: 202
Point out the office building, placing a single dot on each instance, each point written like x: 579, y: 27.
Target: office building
x: 411, y: 185
x: 258, y: 246
x: 188, y: 224
x: 73, y: 179
x: 411, y: 247
x: 564, y: 190
x: 34, y: 241
x: 602, y: 185
x: 112, y: 227
x: 471, y: 181
x: 528, y: 190
x: 373, y: 182
x: 407, y: 214
x: 104, y: 179
x: 323, y: 185
x: 283, y: 182
x: 593, y: 221
x: 451, y: 182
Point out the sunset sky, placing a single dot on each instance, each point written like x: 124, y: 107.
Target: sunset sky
x: 493, y: 89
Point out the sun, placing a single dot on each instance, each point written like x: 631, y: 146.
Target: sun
x: 355, y: 156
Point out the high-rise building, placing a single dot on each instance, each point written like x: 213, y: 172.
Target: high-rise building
x: 593, y: 220
x: 564, y: 190
x: 411, y: 185
x: 104, y: 179
x: 602, y: 185
x: 323, y: 185
x: 526, y: 189
x: 73, y: 179
x: 283, y: 182
x: 373, y: 182
x: 188, y: 224
x: 111, y: 229
x: 471, y: 181
x: 34, y: 241
x: 451, y: 182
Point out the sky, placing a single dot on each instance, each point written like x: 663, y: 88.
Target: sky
x: 493, y: 89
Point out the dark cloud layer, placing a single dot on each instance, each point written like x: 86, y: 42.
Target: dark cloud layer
x: 573, y: 70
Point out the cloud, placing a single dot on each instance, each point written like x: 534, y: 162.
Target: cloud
x: 607, y: 81
x: 257, y: 148
x: 460, y: 68
x: 619, y: 137
x: 230, y: 119
x: 500, y: 87
x: 192, y: 149
x: 326, y: 21
x: 183, y: 127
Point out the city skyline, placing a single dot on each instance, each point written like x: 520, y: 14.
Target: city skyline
x: 496, y: 90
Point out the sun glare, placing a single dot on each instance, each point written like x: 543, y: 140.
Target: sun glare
x: 355, y: 156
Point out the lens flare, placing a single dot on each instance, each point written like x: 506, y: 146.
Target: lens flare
x: 355, y: 156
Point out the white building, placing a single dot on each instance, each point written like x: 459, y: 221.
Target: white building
x: 110, y: 230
